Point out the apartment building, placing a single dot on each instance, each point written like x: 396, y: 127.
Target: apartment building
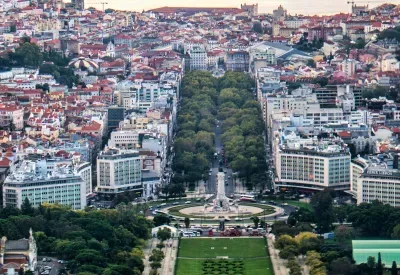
x: 124, y: 139
x: 198, y: 59
x: 348, y: 66
x: 237, y: 61
x: 12, y: 114
x: 118, y: 171
x: 31, y: 179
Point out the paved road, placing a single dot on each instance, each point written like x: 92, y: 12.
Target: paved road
x: 212, y: 182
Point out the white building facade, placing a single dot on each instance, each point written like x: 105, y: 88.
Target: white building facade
x: 118, y: 171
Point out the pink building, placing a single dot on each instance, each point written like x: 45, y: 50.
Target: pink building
x: 12, y: 113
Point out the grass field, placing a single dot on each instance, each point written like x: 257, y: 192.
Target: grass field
x: 194, y: 251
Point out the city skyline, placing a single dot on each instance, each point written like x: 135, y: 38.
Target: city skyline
x: 305, y: 7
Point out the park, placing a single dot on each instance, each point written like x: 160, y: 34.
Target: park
x: 201, y: 256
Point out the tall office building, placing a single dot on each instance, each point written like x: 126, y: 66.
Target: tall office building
x: 311, y: 164
x: 118, y: 171
x: 115, y: 115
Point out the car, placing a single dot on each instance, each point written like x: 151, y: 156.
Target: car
x: 263, y: 202
x: 226, y: 183
x: 210, y: 170
x: 238, y: 219
x: 229, y: 177
x: 176, y: 203
x: 188, y: 202
x: 44, y: 260
x: 217, y: 126
x: 48, y: 260
x: 209, y: 174
x: 285, y: 204
x: 47, y: 267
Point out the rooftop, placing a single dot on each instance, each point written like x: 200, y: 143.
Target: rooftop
x: 36, y: 170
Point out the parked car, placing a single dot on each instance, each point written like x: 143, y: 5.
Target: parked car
x: 188, y: 202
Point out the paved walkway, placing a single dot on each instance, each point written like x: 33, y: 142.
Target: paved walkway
x: 150, y: 245
x: 170, y: 252
x: 278, y: 264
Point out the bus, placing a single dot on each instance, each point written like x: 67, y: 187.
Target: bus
x: 250, y: 198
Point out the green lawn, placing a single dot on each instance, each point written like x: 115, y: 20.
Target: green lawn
x: 213, y: 247
x: 251, y: 251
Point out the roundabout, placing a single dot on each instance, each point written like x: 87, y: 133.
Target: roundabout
x: 242, y: 210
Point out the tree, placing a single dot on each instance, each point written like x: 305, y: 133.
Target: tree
x: 288, y: 252
x: 294, y: 267
x: 26, y: 208
x: 330, y: 256
x: 396, y: 232
x: 164, y: 234
x: 156, y: 256
x: 161, y: 220
x: 285, y: 240
x: 311, y: 63
x: 187, y: 222
x: 257, y: 27
x: 344, y: 235
x: 394, y: 270
x: 309, y: 244
x: 342, y: 266
x: 155, y: 265
x: 371, y: 262
x: 118, y: 270
x: 360, y: 43
x: 322, y: 205
x: 256, y: 220
x: 379, y: 265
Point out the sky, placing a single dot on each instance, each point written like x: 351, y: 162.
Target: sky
x: 307, y: 7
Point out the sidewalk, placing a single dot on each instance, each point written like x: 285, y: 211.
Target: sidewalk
x: 150, y: 245
x: 170, y: 252
x: 278, y: 264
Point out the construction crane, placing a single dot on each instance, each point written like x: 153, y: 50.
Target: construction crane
x: 99, y: 3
